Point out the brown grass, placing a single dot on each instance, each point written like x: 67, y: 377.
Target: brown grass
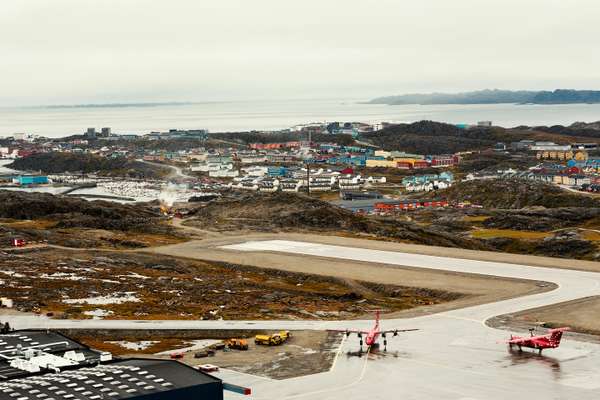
x: 591, y: 235
x: 28, y: 224
x: 164, y: 344
x: 508, y: 233
x: 475, y: 218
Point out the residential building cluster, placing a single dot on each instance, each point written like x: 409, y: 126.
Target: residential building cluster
x: 545, y: 150
x: 402, y: 160
x: 575, y: 174
x: 429, y: 182
x: 294, y: 179
x: 290, y: 166
x: 339, y: 128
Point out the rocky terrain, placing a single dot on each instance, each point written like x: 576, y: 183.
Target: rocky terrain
x: 514, y: 194
x: 430, y: 137
x: 106, y: 284
x: 298, y: 213
x: 521, y: 216
x: 76, y: 222
x: 53, y: 163
x: 517, y: 217
x: 243, y: 138
x: 492, y: 162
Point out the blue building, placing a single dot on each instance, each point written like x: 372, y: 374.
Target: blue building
x: 276, y: 171
x: 359, y: 161
x: 25, y: 180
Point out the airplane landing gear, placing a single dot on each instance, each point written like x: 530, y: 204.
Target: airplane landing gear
x: 384, y: 342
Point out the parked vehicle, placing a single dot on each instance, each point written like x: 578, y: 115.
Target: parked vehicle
x: 237, y: 344
x: 208, y: 368
x: 204, y: 353
x: 272, y: 340
x: 17, y: 242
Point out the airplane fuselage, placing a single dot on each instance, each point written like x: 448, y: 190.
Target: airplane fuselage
x: 372, y: 337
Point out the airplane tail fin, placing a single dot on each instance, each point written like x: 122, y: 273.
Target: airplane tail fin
x: 556, y: 335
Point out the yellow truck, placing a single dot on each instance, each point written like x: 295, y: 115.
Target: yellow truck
x: 274, y: 339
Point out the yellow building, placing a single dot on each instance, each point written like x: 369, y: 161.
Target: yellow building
x: 562, y: 155
x: 381, y: 163
x: 382, y: 153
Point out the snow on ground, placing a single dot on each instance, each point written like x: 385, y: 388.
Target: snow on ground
x: 139, y: 346
x: 63, y: 276
x: 39, y: 189
x: 133, y: 275
x: 98, y: 313
x: 140, y: 191
x: 3, y: 169
x: 12, y: 273
x: 195, y: 345
x: 115, y: 298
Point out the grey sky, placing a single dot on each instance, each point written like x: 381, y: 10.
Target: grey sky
x: 72, y: 51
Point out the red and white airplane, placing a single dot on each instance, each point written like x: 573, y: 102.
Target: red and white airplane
x: 372, y: 336
x: 551, y: 340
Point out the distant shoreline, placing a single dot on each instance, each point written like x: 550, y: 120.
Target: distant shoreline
x: 114, y: 105
x: 522, y: 97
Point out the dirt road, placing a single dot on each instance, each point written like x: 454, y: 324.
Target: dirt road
x: 480, y: 289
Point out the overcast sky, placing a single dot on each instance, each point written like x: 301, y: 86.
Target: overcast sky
x: 79, y: 51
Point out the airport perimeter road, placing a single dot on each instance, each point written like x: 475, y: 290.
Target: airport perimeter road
x: 454, y: 356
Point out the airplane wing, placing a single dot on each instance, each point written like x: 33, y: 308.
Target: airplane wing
x: 396, y: 331
x: 348, y: 331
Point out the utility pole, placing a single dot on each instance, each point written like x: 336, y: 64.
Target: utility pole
x: 308, y: 163
x: 308, y: 178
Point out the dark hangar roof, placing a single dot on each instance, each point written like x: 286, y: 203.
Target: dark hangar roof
x: 46, y: 341
x: 46, y: 365
x: 126, y: 379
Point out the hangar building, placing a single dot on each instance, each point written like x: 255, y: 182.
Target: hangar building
x: 49, y: 366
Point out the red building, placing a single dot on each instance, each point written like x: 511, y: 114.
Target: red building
x: 420, y: 164
x: 408, y: 205
x: 445, y: 160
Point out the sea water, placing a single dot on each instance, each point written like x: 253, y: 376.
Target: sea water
x: 276, y: 114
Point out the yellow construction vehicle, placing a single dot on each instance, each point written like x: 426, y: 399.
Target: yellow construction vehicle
x: 238, y: 344
x: 272, y: 340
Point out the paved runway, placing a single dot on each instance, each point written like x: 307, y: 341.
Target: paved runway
x: 455, y: 356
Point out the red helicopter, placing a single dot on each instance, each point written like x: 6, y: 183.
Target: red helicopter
x: 372, y: 335
x: 551, y: 340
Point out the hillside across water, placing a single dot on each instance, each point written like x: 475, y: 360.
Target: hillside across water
x: 559, y: 96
